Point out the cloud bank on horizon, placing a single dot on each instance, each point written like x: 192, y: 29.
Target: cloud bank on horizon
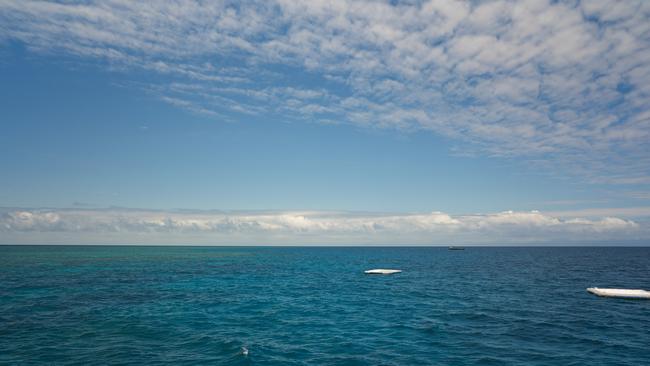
x: 565, y: 84
x: 137, y: 226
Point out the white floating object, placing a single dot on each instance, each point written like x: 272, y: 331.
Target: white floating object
x: 620, y: 292
x: 244, y: 351
x: 382, y: 271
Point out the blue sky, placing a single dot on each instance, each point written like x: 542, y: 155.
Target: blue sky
x: 334, y: 122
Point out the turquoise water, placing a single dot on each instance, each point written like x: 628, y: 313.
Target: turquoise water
x: 314, y: 306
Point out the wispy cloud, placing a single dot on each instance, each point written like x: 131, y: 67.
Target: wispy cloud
x: 296, y: 227
x: 633, y: 212
x: 565, y: 83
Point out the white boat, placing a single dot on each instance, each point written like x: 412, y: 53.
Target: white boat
x: 382, y: 271
x: 620, y: 292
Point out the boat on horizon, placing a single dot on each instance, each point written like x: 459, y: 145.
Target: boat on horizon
x: 456, y: 248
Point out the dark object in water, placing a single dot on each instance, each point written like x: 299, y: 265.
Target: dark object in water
x: 456, y: 248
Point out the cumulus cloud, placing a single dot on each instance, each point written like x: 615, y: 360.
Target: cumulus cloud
x: 131, y: 225
x: 567, y: 82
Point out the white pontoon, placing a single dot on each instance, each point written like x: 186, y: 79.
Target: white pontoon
x: 620, y: 292
x: 382, y: 271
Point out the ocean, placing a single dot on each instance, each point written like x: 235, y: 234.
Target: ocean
x: 136, y: 305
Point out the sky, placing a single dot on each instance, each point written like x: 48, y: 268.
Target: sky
x: 325, y: 122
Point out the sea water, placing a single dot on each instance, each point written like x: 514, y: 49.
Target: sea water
x: 128, y: 305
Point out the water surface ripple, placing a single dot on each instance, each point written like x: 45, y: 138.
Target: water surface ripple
x: 85, y: 305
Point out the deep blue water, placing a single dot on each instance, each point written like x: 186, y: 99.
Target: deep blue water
x: 314, y: 306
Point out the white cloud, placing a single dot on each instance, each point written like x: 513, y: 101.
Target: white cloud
x: 567, y: 82
x: 635, y: 212
x: 150, y: 226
